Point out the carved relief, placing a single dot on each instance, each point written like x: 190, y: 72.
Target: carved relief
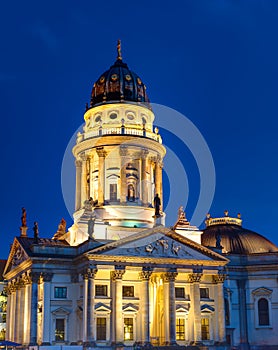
x: 18, y: 256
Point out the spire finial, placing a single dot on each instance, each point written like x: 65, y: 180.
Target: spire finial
x: 119, y: 49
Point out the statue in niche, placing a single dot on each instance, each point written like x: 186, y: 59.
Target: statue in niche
x: 91, y: 227
x: 130, y: 193
x: 23, y: 218
x: 157, y: 203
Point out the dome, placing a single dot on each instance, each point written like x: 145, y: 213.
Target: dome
x: 233, y: 238
x: 119, y: 84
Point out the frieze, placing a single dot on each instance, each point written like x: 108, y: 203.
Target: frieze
x: 161, y: 247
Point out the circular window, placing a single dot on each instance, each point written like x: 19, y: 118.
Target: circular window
x: 130, y: 116
x: 98, y: 119
x: 128, y: 77
x: 113, y: 116
x: 139, y: 81
x: 101, y: 80
x: 114, y: 77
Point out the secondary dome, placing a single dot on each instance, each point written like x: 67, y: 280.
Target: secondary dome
x: 119, y: 84
x: 233, y: 238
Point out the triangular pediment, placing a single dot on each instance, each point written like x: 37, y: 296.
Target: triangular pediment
x: 157, y: 243
x: 17, y: 256
x: 130, y: 307
x: 101, y: 307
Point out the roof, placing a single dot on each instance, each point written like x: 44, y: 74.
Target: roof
x: 235, y: 239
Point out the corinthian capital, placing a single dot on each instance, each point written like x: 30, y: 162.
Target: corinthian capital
x: 101, y: 152
x: 169, y: 276
x: 195, y: 277
x: 145, y: 274
x: 90, y: 272
x: 117, y: 274
x: 47, y: 276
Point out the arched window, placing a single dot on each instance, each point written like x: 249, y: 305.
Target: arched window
x: 263, y: 312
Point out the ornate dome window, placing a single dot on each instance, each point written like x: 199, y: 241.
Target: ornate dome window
x: 113, y: 116
x: 130, y: 117
x: 98, y: 118
x: 114, y: 77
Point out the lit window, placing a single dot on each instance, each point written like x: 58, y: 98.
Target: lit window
x: 101, y: 328
x: 60, y: 292
x: 180, y: 329
x: 128, y: 291
x: 128, y: 328
x: 205, y: 328
x: 204, y: 293
x: 179, y: 292
x: 101, y: 290
x: 263, y: 312
x: 60, y: 329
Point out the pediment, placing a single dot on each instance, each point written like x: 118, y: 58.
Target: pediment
x: 17, y: 256
x: 262, y: 291
x: 130, y: 307
x: 101, y: 307
x: 207, y: 308
x: 160, y: 243
x: 182, y: 308
x: 60, y: 312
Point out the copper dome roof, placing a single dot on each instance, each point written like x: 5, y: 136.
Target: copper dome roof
x: 236, y: 240
x: 119, y: 84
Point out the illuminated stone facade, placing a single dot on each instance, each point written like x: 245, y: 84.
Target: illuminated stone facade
x: 117, y: 276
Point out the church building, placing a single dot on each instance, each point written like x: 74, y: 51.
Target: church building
x: 118, y: 276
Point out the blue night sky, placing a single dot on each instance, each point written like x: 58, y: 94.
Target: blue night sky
x: 214, y: 61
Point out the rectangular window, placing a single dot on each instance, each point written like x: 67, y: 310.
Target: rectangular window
x: 204, y: 293
x: 113, y: 192
x: 60, y: 329
x: 128, y: 328
x: 205, y: 328
x: 179, y: 292
x: 60, y: 292
x: 101, y: 290
x: 128, y: 291
x: 180, y: 329
x: 101, y: 328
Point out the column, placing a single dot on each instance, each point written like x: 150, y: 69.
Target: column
x: 144, y: 185
x: 90, y: 324
x: 123, y: 155
x: 91, y: 184
x: 27, y: 306
x: 244, y: 344
x: 101, y: 175
x: 20, y: 313
x: 78, y: 165
x: 35, y: 276
x: 118, y: 325
x: 145, y: 305
x: 158, y: 179
x: 169, y: 281
x: 47, y: 278
x: 195, y: 307
x: 219, y: 280
x: 83, y: 189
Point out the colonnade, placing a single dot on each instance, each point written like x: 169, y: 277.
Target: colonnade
x: 85, y: 168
